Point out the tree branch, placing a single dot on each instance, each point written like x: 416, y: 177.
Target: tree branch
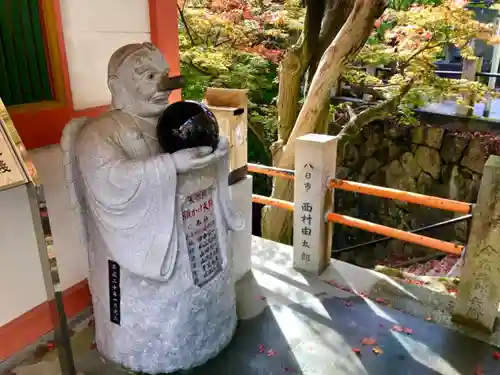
x: 373, y: 113
x: 185, y: 23
x: 350, y: 39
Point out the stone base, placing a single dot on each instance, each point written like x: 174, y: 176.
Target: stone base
x: 472, y: 323
x: 241, y: 242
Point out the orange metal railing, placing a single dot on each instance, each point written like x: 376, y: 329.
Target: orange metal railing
x: 444, y: 246
x: 379, y: 191
x: 272, y: 171
x: 289, y: 206
x: 400, y: 195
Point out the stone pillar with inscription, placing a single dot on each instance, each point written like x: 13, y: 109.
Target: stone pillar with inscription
x: 479, y: 291
x: 315, y: 162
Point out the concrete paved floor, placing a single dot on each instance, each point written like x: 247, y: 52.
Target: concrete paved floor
x: 301, y: 324
x: 298, y: 340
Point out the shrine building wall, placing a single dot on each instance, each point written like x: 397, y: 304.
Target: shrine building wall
x: 86, y: 33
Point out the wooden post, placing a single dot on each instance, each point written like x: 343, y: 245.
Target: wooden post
x: 469, y: 71
x: 315, y: 162
x: 479, y: 290
x: 230, y: 107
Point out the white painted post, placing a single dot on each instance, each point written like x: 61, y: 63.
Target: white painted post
x: 241, y: 242
x: 479, y: 290
x: 315, y: 163
x: 495, y: 60
x: 469, y: 70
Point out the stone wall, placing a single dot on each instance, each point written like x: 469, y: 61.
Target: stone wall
x: 420, y: 158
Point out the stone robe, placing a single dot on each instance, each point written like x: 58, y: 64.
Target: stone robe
x: 152, y: 313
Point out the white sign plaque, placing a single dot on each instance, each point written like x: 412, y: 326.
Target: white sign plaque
x: 201, y: 237
x: 11, y: 174
x: 14, y: 169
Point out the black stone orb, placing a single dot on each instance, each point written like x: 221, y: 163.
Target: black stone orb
x: 187, y: 124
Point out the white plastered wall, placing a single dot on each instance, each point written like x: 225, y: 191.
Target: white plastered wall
x: 22, y: 266
x: 93, y: 30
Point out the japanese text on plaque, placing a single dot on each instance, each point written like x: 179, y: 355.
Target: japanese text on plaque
x: 201, y: 237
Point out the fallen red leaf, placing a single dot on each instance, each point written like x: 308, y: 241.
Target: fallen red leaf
x: 496, y: 355
x: 397, y: 328
x: 380, y: 300
x: 368, y: 341
x: 51, y: 346
x: 356, y: 350
x: 408, y: 331
x: 271, y: 353
x: 377, y: 350
x: 261, y: 348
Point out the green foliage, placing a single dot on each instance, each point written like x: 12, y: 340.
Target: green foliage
x: 409, y: 42
x: 237, y: 44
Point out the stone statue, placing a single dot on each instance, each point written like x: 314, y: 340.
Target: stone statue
x: 155, y: 225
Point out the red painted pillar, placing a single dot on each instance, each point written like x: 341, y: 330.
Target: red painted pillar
x: 165, y: 34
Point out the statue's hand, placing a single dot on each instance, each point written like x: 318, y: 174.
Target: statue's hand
x: 199, y: 157
x: 192, y: 158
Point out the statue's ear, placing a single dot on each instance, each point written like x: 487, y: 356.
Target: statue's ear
x: 117, y: 92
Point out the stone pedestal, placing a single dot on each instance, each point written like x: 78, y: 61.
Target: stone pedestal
x: 315, y: 162
x: 479, y: 292
x: 241, y: 242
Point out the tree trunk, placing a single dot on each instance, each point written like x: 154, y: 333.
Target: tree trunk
x: 344, y: 47
x: 336, y: 13
x: 291, y: 70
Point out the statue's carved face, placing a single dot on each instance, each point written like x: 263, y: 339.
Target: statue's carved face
x: 135, y: 87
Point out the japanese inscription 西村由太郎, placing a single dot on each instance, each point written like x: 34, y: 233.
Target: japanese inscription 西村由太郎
x: 306, y: 210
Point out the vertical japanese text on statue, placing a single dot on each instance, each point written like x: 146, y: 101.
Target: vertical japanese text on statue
x: 114, y: 292
x: 4, y: 168
x: 201, y: 237
x: 306, y: 210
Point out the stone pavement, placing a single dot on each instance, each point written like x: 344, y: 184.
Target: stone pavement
x: 299, y: 324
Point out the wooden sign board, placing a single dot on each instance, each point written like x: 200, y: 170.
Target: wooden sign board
x: 14, y: 159
x: 230, y: 107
